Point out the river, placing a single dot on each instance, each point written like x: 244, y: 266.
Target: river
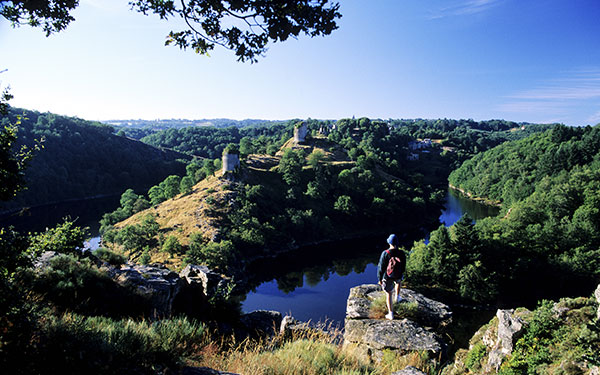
x: 85, y: 213
x: 313, y: 284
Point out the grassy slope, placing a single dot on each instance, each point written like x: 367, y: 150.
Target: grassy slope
x: 205, y: 208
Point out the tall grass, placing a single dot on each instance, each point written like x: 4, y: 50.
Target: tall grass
x: 310, y: 352
x: 404, y: 309
x: 76, y: 344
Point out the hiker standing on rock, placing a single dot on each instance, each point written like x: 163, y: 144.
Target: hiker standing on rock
x: 389, y: 272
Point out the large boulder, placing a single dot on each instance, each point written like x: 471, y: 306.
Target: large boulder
x: 371, y: 338
x: 156, y: 284
x: 261, y: 323
x: 508, y: 330
x: 430, y: 313
x: 203, y: 277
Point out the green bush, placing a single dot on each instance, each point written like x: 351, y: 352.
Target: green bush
x: 65, y: 238
x: 110, y: 257
x: 145, y: 257
x: 475, y: 356
x: 70, y: 283
x: 172, y: 246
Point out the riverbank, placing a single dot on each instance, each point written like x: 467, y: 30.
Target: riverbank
x: 481, y: 200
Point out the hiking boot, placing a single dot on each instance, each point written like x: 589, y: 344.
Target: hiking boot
x: 389, y: 316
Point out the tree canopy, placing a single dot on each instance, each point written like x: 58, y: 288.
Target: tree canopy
x: 243, y: 26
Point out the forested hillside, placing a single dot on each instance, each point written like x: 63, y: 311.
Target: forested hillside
x: 468, y: 137
x: 81, y: 159
x: 354, y: 183
x: 547, y: 239
x: 209, y: 142
x: 138, y: 129
x: 510, y: 172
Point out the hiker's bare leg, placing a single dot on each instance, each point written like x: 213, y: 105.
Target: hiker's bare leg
x: 388, y: 301
x: 397, y: 289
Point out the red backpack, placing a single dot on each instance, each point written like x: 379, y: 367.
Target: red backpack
x: 396, y: 265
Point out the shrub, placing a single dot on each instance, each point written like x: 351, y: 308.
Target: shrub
x: 78, y: 285
x: 172, y: 245
x: 145, y: 257
x: 110, y: 257
x: 77, y: 344
x: 310, y: 355
x: 65, y: 238
x: 475, y: 356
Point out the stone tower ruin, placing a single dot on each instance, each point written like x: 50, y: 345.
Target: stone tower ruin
x: 300, y: 131
x: 230, y: 162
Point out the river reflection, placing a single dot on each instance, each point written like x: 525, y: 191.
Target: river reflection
x: 85, y: 213
x: 313, y: 284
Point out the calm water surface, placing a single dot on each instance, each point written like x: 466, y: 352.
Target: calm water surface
x: 85, y: 213
x: 319, y: 292
x: 312, y: 284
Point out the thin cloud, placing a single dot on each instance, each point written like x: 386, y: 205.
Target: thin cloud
x: 465, y: 8
x: 581, y: 85
x: 595, y: 118
x: 565, y: 96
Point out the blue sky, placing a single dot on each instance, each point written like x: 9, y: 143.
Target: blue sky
x: 534, y: 61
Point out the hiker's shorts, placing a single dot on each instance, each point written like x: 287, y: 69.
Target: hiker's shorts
x: 388, y: 284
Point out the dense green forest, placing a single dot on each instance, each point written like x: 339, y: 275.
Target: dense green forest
x: 209, y: 142
x: 80, y: 159
x: 546, y: 241
x: 140, y: 128
x: 312, y: 197
x: 313, y: 194
x: 467, y: 136
x: 352, y: 176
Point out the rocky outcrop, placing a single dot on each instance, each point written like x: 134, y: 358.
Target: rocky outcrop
x: 409, y: 370
x: 261, y: 323
x: 156, y: 284
x: 372, y: 337
x: 493, y: 345
x: 204, y: 278
x: 597, y: 295
x: 508, y: 332
x: 430, y: 313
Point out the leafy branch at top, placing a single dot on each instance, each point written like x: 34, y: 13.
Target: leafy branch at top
x: 243, y: 26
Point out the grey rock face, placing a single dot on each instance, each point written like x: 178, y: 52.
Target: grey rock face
x: 431, y: 313
x: 43, y: 260
x: 371, y: 337
x: 597, y: 295
x: 203, y: 277
x: 156, y: 284
x: 409, y: 370
x: 262, y: 322
x: 508, y: 330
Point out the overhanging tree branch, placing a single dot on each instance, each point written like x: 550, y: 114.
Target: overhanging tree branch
x: 258, y: 21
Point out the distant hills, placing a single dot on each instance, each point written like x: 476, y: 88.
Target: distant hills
x: 82, y: 159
